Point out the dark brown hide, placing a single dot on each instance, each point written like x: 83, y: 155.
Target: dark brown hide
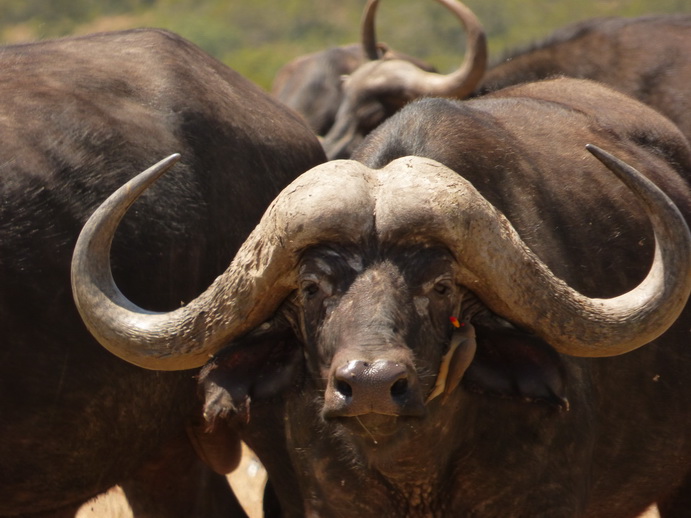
x: 79, y: 117
x: 644, y: 57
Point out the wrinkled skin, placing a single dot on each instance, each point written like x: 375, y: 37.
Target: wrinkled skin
x: 79, y: 117
x: 527, y: 431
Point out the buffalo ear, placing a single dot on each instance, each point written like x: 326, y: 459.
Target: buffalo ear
x: 513, y: 364
x: 258, y: 366
x: 220, y: 448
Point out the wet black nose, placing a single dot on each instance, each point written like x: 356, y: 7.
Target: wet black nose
x: 381, y: 387
x: 370, y: 380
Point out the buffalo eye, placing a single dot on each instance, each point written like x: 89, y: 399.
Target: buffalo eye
x: 309, y: 288
x: 443, y: 288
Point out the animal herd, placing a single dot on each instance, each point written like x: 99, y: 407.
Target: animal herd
x: 411, y: 294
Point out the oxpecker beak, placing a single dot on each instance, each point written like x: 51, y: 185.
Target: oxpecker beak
x: 455, y: 362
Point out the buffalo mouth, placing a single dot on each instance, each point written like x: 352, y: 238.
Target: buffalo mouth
x: 375, y: 429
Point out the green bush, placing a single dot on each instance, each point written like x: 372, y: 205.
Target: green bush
x: 257, y: 37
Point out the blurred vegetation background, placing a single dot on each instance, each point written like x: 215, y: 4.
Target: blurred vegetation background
x: 257, y: 37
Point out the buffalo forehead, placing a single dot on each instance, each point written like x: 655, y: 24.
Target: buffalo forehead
x: 330, y: 201
x: 343, y: 201
x: 412, y: 199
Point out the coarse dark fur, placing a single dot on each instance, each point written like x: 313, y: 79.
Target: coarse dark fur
x: 645, y: 57
x: 78, y: 118
x: 529, y: 432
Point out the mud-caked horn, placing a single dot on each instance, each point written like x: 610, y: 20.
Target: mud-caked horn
x: 260, y: 276
x: 438, y: 204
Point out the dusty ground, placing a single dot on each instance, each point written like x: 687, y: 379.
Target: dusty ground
x: 247, y: 481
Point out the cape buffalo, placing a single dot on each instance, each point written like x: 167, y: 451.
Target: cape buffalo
x: 476, y: 318
x: 312, y: 84
x: 78, y: 118
x: 644, y: 57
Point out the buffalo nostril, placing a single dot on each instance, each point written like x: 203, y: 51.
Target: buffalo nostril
x: 399, y: 388
x: 360, y: 387
x: 343, y: 388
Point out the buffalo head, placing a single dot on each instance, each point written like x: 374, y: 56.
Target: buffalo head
x: 363, y: 263
x: 380, y: 87
x: 312, y: 84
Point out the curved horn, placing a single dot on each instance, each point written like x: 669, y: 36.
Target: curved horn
x: 395, y: 82
x: 368, y: 32
x: 260, y: 276
x: 512, y: 281
x: 462, y: 82
x: 412, y: 81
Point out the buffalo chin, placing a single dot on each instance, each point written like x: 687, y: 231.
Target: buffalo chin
x: 371, y: 432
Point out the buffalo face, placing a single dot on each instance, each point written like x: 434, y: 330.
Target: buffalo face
x: 375, y: 331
